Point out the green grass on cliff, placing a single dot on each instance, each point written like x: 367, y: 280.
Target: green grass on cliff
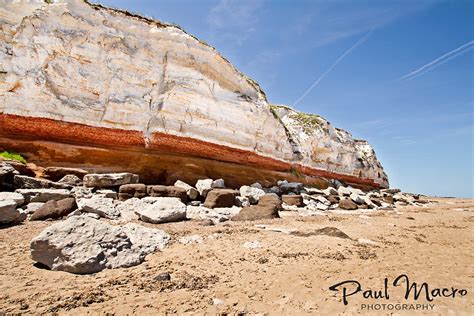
x: 309, y: 122
x: 12, y: 156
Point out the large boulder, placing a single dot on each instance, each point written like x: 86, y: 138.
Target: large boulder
x: 128, y: 191
x: 220, y: 198
x: 167, y: 191
x: 291, y: 187
x: 57, y: 173
x: 102, y: 206
x: 163, y: 210
x: 105, y: 180
x: 43, y: 195
x: 84, y: 245
x: 54, y: 209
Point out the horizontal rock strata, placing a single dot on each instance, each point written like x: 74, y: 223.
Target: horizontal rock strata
x: 86, y: 86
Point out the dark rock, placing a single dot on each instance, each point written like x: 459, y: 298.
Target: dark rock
x: 220, y: 198
x: 128, y: 191
x: 270, y: 199
x: 7, y: 173
x: 267, y: 208
x: 296, y: 200
x: 167, y: 191
x: 54, y: 209
x: 165, y: 276
x: 23, y: 169
x: 57, y: 173
x: 333, y: 199
x: 388, y: 199
x: 347, y: 204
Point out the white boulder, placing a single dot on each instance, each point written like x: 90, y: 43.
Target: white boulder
x: 82, y: 245
x: 164, y: 210
x: 102, y: 206
x: 252, y: 193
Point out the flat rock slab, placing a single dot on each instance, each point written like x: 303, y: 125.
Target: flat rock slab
x: 163, y: 210
x: 43, y: 195
x: 85, y: 245
x: 105, y: 180
x: 102, y: 206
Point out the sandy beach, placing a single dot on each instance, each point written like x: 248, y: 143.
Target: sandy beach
x: 274, y: 267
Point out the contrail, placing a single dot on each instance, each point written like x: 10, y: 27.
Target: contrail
x: 360, y: 41
x: 439, y: 61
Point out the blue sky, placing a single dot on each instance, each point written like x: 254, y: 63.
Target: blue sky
x: 378, y: 69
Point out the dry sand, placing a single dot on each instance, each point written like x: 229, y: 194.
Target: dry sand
x: 289, y: 274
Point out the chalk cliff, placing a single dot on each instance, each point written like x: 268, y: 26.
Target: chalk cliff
x: 83, y: 85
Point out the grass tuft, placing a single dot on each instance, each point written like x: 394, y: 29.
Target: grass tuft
x: 12, y: 156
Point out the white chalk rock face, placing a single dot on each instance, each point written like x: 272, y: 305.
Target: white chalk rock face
x: 123, y: 82
x: 164, y: 210
x: 83, y: 245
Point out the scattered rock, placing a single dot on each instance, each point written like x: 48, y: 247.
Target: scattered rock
x: 128, y: 191
x: 17, y: 197
x: 253, y: 245
x: 43, y: 195
x: 204, y: 186
x: 106, y: 180
x: 294, y: 187
x: 390, y: 191
x: 330, y: 191
x: 70, y: 179
x: 82, y: 192
x: 296, y: 200
x: 356, y: 198
x: 347, y: 204
x: 167, y: 191
x: 253, y: 194
x: 23, y: 169
x: 56, y: 173
x: 267, y: 208
x: 218, y: 184
x: 102, y: 206
x: 344, y: 191
x: 192, y: 193
x: 111, y: 194
x: 364, y: 241
x: 164, y: 210
x: 162, y: 277
x: 25, y: 182
x: 193, y: 239
x: 313, y: 191
x: 327, y: 231
x: 32, y: 207
x: 9, y: 213
x: 84, y: 245
x: 54, y: 209
x: 242, y: 201
x: 220, y: 198
x: 7, y: 173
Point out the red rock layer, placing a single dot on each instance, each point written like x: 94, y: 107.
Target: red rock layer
x: 160, y: 144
